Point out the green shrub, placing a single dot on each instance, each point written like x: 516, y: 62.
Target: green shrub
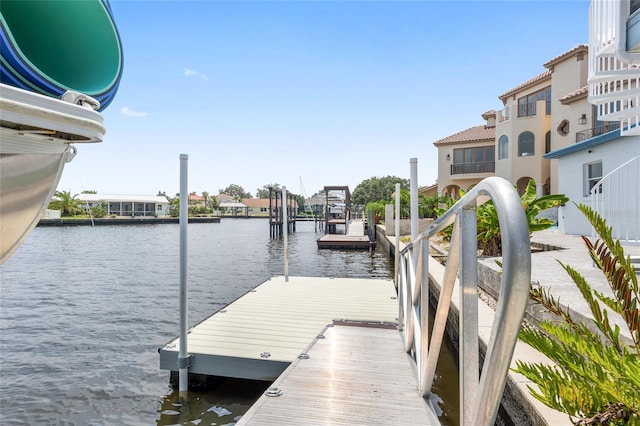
x: 596, y: 377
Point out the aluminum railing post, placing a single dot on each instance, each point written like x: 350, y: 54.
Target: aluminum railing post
x: 468, y: 337
x: 183, y: 358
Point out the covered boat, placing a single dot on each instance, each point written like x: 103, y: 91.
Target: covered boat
x: 61, y: 63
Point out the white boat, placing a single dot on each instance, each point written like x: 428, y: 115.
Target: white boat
x: 36, y: 137
x: 43, y: 110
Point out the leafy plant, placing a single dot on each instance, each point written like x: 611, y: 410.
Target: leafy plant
x: 67, y: 203
x: 596, y: 376
x: 489, y: 236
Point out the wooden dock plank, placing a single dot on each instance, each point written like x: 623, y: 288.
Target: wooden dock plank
x: 354, y: 376
x: 280, y: 318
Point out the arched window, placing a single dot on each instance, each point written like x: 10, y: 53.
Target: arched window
x: 503, y: 147
x: 547, y: 142
x: 526, y: 144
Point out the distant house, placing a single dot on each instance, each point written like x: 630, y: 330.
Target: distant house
x: 256, y: 206
x: 233, y: 208
x: 126, y: 205
x: 224, y: 198
x: 195, y: 199
x: 428, y: 191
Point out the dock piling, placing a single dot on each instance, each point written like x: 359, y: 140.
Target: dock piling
x: 183, y: 365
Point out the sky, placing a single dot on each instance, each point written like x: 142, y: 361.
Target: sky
x: 308, y: 94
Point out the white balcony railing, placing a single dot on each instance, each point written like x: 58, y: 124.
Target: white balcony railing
x: 614, y: 73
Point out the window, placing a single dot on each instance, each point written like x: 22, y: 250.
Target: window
x: 547, y: 142
x: 503, y: 147
x: 526, y: 144
x: 527, y: 104
x: 592, y: 175
x: 479, y: 159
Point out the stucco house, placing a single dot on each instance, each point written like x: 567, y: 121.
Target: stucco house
x: 544, y: 113
x: 467, y: 157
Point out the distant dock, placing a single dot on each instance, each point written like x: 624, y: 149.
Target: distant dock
x: 355, y: 238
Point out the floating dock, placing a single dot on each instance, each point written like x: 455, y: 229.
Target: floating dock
x: 260, y: 334
x: 355, y: 375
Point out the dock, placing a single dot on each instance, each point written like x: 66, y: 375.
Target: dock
x: 372, y: 382
x: 260, y: 334
x: 354, y: 238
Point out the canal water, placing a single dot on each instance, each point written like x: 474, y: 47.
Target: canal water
x: 83, y: 311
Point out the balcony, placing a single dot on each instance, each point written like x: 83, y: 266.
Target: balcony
x: 467, y: 168
x: 596, y: 131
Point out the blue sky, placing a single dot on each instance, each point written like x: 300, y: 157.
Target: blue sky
x: 318, y: 92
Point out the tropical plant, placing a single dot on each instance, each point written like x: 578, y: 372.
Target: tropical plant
x: 596, y: 376
x: 377, y: 207
x: 489, y: 236
x: 68, y: 204
x: 98, y: 211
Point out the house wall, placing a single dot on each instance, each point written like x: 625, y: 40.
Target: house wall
x: 567, y: 77
x: 571, y: 178
x: 464, y: 180
x: 514, y: 167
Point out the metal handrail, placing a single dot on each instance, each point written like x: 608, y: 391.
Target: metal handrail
x: 479, y: 395
x: 612, y: 199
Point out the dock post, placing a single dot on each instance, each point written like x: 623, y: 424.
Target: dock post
x: 414, y: 198
x: 285, y: 215
x: 183, y: 365
x: 396, y: 256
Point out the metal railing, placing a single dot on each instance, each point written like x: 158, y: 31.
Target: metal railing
x: 616, y: 197
x: 479, y: 167
x: 596, y: 131
x: 480, y: 395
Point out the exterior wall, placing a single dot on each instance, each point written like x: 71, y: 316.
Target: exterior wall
x: 461, y: 180
x: 570, y: 173
x: 514, y: 167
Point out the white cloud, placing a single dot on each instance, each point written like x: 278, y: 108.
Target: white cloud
x: 131, y: 113
x: 193, y: 73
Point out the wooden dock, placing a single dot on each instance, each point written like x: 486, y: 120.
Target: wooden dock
x: 354, y: 376
x: 261, y: 333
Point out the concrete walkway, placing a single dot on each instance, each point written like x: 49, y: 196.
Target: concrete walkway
x: 548, y: 273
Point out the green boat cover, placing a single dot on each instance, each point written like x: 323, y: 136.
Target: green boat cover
x: 53, y: 46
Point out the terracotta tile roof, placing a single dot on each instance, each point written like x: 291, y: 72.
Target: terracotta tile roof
x: 580, y: 49
x: 488, y: 114
x: 472, y: 134
x: 574, y: 96
x: 537, y: 79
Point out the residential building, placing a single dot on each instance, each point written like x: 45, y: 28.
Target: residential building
x: 602, y: 169
x: 467, y: 157
x: 544, y: 113
x: 256, y: 206
x: 195, y: 199
x: 126, y: 205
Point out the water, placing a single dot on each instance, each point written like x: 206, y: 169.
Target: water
x: 84, y: 310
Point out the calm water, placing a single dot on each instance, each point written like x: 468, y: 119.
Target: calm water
x: 84, y: 310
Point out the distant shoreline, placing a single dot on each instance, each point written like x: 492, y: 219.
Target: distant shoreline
x: 142, y: 220
x: 137, y: 220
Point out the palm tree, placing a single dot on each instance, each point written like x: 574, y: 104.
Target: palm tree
x: 67, y: 203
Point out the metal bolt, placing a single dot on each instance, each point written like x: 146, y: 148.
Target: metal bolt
x: 303, y: 356
x: 273, y: 392
x: 320, y: 336
x: 265, y: 355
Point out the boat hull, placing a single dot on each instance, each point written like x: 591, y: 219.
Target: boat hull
x: 37, y: 134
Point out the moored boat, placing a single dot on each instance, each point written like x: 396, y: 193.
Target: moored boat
x: 56, y: 73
